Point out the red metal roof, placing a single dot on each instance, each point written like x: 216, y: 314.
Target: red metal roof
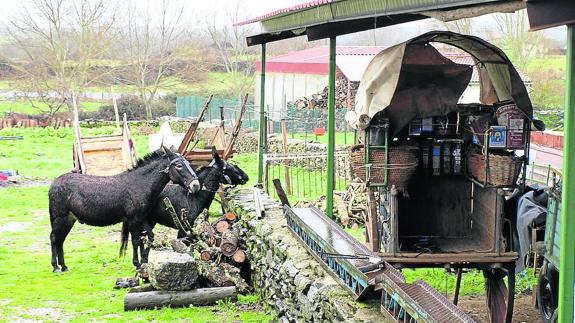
x: 282, y: 11
x: 316, y: 60
x: 350, y: 60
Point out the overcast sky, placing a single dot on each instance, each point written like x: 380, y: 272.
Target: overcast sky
x: 200, y: 9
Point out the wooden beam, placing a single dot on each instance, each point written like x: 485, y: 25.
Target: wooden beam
x: 269, y: 38
x: 334, y: 29
x: 547, y: 14
x: 474, y: 11
x: 193, y: 128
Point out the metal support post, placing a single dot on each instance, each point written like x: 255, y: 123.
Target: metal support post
x: 331, y: 129
x: 567, y: 254
x: 262, y: 123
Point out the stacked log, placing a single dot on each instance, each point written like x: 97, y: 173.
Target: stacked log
x: 288, y: 278
x: 319, y: 100
x: 349, y: 207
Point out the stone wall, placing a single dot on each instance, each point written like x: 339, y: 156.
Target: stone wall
x: 288, y: 278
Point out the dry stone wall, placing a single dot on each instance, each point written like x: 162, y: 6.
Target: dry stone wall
x: 288, y: 278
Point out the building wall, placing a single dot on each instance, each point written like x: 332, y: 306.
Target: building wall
x: 284, y: 87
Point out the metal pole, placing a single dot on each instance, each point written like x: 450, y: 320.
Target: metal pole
x: 330, y: 129
x: 567, y: 254
x: 262, y: 124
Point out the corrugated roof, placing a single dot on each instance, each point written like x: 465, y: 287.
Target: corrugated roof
x: 350, y: 60
x: 279, y: 12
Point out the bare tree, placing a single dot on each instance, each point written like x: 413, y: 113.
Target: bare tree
x: 158, y: 55
x: 514, y: 36
x: 233, y: 54
x: 58, y: 43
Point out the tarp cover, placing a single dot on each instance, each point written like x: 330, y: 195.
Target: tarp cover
x: 412, y: 79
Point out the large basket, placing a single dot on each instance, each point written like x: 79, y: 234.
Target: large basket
x: 403, y: 162
x: 503, y: 169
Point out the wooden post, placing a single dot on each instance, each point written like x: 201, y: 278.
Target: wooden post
x: 280, y: 192
x: 457, y: 286
x: 116, y: 113
x: 154, y: 299
x: 374, y: 243
x: 286, y: 153
x: 78, y: 136
x: 193, y: 127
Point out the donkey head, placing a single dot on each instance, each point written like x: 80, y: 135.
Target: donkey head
x: 233, y: 175
x: 180, y: 171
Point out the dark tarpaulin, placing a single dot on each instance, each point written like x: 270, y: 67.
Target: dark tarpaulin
x: 429, y: 84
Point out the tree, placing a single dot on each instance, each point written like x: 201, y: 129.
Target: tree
x: 157, y: 53
x: 233, y: 54
x: 514, y: 36
x: 56, y: 46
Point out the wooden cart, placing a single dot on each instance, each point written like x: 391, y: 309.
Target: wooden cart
x: 202, y: 156
x: 104, y: 155
x: 425, y: 209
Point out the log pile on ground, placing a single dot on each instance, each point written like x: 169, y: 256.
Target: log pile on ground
x: 319, y: 100
x: 349, y: 207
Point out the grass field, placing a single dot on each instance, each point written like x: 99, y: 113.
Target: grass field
x: 26, y: 107
x: 30, y: 291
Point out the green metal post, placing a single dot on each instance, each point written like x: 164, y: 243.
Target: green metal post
x: 567, y: 252
x: 262, y: 124
x: 330, y: 129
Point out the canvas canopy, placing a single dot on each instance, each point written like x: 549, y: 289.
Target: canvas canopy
x: 412, y: 80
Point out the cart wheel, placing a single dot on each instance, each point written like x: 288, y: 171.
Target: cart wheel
x: 546, y: 296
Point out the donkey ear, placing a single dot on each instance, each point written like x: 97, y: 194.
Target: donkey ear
x: 215, y: 155
x: 164, y: 150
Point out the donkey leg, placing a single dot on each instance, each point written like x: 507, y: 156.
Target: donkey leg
x: 58, y: 222
x: 68, y: 223
x: 145, y: 249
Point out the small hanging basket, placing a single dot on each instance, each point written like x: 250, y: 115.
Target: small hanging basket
x: 403, y: 162
x: 503, y: 169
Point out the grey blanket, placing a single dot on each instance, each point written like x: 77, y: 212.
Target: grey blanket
x: 530, y: 211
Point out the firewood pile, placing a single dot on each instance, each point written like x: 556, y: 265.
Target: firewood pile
x: 210, y: 263
x: 319, y: 100
x: 349, y: 207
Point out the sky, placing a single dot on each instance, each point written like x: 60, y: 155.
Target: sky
x: 196, y: 10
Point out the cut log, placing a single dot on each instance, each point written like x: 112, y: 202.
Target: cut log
x: 231, y: 216
x: 222, y: 226
x: 210, y: 254
x: 179, y: 246
x: 222, y: 275
x: 155, y: 299
x: 229, y: 243
x: 239, y: 257
x: 202, y: 230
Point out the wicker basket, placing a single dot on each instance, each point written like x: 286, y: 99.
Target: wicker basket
x: 503, y: 169
x: 403, y: 162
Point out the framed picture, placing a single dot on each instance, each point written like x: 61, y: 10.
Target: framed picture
x: 498, y: 137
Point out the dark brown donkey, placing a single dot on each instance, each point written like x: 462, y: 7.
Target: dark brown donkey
x: 107, y: 200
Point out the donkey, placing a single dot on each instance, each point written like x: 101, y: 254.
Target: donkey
x: 211, y: 176
x: 107, y: 200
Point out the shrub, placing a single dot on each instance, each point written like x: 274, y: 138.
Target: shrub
x: 134, y: 109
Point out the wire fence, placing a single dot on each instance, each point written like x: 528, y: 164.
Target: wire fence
x: 304, y: 175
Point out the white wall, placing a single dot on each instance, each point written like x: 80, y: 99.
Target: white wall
x: 285, y: 87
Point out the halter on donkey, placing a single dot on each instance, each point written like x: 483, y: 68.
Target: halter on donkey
x: 211, y: 176
x: 107, y: 200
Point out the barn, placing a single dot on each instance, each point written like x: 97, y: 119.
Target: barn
x: 299, y: 74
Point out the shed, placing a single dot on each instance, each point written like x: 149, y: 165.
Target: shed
x: 301, y: 73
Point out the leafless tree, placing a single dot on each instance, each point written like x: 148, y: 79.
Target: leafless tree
x: 58, y: 45
x: 514, y: 35
x: 160, y: 53
x: 233, y: 54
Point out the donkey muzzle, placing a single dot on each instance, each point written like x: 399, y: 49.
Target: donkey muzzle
x: 194, y: 186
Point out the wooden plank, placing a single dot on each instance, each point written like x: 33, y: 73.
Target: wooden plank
x: 548, y: 14
x: 78, y: 136
x: 194, y: 127
x: 449, y: 258
x: 373, y: 241
x: 237, y: 127
x: 280, y: 192
x: 286, y: 152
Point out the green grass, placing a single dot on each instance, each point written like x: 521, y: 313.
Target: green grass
x: 341, y: 138
x: 30, y: 289
x: 26, y: 107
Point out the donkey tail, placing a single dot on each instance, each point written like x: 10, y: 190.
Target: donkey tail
x: 125, y: 235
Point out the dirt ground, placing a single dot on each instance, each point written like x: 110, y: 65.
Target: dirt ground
x: 524, y: 310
